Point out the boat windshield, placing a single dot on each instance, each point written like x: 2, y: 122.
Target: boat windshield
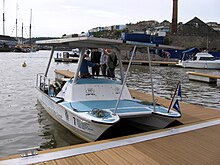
x: 206, y: 58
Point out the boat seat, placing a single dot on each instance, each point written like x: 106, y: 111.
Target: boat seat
x: 125, y: 106
x: 97, y: 81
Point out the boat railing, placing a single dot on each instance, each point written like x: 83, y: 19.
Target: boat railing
x: 43, y: 83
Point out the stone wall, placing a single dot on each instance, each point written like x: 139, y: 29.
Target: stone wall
x: 200, y: 42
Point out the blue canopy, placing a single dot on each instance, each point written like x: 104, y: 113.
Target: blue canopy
x: 191, y: 51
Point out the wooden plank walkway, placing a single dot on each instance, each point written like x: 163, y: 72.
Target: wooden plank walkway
x: 197, y: 147
x: 201, y: 146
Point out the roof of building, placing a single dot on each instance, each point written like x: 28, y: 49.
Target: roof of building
x: 196, y: 27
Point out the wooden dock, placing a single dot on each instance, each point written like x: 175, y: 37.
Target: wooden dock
x: 72, y: 60
x: 196, y: 141
x: 134, y: 62
x: 202, y: 77
x: 64, y: 73
x: 144, y: 62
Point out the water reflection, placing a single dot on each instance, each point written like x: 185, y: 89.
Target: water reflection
x: 53, y: 134
x: 165, y: 80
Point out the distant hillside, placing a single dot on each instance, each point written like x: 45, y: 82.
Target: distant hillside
x: 131, y: 27
x: 194, y: 33
x: 144, y: 25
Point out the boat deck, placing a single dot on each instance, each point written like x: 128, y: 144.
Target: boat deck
x: 124, y: 106
x: 194, y: 142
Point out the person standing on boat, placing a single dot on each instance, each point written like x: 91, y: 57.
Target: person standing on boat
x: 103, y: 62
x: 84, y: 69
x: 95, y: 58
x: 110, y: 63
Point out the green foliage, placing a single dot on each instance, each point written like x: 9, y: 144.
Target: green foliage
x: 113, y: 34
x: 168, y: 41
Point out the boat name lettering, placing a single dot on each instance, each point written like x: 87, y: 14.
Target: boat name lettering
x: 66, y: 115
x: 81, y: 124
x: 117, y: 90
x: 74, y: 120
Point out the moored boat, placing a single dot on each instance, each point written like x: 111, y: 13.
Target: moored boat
x: 7, y: 43
x: 22, y: 48
x: 89, y: 106
x: 202, y: 60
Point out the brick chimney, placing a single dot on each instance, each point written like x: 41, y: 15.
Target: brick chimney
x: 174, y: 18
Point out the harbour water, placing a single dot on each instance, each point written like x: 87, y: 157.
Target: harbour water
x: 24, y: 123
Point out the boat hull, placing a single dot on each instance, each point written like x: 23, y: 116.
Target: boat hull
x: 153, y: 120
x: 200, y: 64
x: 87, y: 130
x: 5, y: 49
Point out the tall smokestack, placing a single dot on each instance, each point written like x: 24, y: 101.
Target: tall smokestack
x: 3, y: 17
x: 174, y: 18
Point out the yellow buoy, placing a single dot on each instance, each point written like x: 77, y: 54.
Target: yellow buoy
x: 24, y: 64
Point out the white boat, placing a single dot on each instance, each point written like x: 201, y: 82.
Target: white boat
x: 202, y: 60
x: 89, y: 106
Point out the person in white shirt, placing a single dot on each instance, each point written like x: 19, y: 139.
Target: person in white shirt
x: 103, y: 62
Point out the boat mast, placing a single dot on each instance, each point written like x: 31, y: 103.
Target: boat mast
x: 16, y: 21
x: 22, y: 29
x: 30, y: 28
x: 3, y: 17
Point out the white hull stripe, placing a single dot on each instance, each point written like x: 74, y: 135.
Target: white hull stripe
x: 107, y: 145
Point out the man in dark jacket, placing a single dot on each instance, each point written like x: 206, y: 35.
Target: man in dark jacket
x: 110, y: 63
x: 95, y: 58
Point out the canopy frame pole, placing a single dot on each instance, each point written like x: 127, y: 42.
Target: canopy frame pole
x: 49, y: 62
x: 81, y: 56
x: 125, y: 78
x: 151, y: 79
x: 120, y: 64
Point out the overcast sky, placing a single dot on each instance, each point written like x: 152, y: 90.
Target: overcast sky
x: 53, y: 18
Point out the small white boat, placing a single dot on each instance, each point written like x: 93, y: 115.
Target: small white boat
x: 202, y: 60
x: 89, y: 106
